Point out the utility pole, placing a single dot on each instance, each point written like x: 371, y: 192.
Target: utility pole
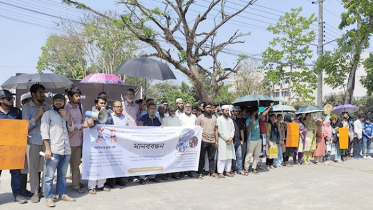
x: 320, y: 50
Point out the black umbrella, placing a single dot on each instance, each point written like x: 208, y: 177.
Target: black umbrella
x: 253, y: 100
x: 146, y: 68
x: 24, y: 81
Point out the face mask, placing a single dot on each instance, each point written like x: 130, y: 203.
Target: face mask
x: 351, y: 121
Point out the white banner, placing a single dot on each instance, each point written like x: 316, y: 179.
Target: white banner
x: 113, y: 151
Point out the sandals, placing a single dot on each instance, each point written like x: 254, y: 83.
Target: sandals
x: 104, y: 189
x: 200, y: 177
x: 255, y: 172
x: 221, y: 176
x: 92, y: 191
x: 79, y: 190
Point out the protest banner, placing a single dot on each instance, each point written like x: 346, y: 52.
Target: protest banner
x: 292, y: 136
x: 343, y: 138
x: 13, y: 143
x: 114, y: 151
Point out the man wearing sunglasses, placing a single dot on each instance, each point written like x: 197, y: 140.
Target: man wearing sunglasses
x: 7, y: 111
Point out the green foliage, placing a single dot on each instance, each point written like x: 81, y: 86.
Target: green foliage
x: 224, y: 95
x: 367, y: 80
x: 63, y: 55
x: 170, y: 92
x: 284, y: 60
x: 345, y: 59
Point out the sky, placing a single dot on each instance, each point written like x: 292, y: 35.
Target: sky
x: 26, y: 25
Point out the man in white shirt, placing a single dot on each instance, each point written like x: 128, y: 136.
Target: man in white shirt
x: 171, y: 119
x: 187, y: 119
x: 358, y: 136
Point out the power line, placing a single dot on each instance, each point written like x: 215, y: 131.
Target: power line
x: 12, y: 14
x: 26, y: 22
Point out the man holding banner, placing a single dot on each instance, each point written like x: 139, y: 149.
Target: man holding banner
x: 7, y: 111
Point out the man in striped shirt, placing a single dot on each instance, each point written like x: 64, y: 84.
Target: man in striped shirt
x: 33, y: 111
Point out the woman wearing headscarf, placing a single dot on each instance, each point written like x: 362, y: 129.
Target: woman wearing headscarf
x: 328, y: 133
x: 310, y: 137
x: 335, y: 137
x: 272, y: 137
x: 281, y: 146
x: 319, y: 153
x: 302, y: 134
x: 289, y: 151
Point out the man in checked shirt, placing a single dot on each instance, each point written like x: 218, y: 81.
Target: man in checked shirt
x: 33, y: 111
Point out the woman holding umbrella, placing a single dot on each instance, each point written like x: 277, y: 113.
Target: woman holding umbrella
x: 310, y: 138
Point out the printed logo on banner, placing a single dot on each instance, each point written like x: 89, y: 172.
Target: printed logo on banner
x: 187, y: 139
x: 102, y: 137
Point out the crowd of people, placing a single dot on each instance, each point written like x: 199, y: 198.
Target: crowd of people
x: 234, y: 139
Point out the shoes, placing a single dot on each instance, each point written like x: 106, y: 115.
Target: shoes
x: 356, y: 157
x: 125, y: 179
x: 35, y: 198
x: 142, y: 181
x: 49, y: 202
x: 20, y: 199
x: 26, y: 193
x: 369, y: 157
x: 67, y: 198
x: 190, y: 174
x: 215, y: 175
x: 155, y: 180
x: 121, y: 182
x: 135, y: 180
x: 229, y: 174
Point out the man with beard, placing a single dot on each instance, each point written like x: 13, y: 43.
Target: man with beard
x: 209, y: 140
x: 162, y: 112
x: 7, y: 111
x: 100, y: 103
x: 76, y: 136
x: 130, y: 109
x: 180, y: 106
x: 55, y: 127
x: 33, y: 111
x: 238, y: 141
x: 225, y: 134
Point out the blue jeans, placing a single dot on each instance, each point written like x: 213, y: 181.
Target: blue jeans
x: 60, y: 164
x: 15, y: 181
x: 238, y: 151
x: 150, y: 176
x: 366, y: 142
x: 278, y: 161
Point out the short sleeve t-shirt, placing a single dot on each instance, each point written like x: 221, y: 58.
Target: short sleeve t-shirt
x: 208, y: 125
x: 254, y: 135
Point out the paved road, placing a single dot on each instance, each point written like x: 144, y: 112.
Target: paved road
x: 338, y: 186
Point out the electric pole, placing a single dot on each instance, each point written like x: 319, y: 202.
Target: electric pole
x: 320, y: 50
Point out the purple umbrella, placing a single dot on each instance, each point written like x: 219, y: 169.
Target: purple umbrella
x: 345, y: 108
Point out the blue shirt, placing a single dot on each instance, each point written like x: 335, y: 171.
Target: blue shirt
x: 368, y: 128
x: 143, y: 113
x: 147, y: 121
x: 254, y: 134
x: 29, y: 111
x: 14, y: 113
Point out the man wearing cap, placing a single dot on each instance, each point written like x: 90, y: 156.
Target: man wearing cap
x: 180, y: 106
x: 225, y: 134
x: 55, y: 127
x: 33, y: 111
x: 7, y: 111
x: 25, y: 98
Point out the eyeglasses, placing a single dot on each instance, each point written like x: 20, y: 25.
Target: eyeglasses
x: 119, y: 107
x: 165, y: 104
x: 172, y: 111
x: 9, y: 98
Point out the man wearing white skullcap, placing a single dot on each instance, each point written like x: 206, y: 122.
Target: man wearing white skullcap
x: 25, y: 98
x: 226, y: 151
x: 180, y: 107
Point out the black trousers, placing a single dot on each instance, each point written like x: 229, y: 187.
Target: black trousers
x: 269, y: 162
x: 211, y: 150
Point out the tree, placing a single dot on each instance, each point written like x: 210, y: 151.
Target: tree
x: 170, y: 91
x: 345, y: 59
x: 284, y: 60
x: 94, y: 44
x: 249, y: 80
x: 63, y: 55
x: 150, y: 25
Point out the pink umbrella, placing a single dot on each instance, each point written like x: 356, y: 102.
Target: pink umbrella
x: 103, y: 79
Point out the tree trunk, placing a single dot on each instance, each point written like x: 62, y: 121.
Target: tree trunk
x: 351, y: 80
